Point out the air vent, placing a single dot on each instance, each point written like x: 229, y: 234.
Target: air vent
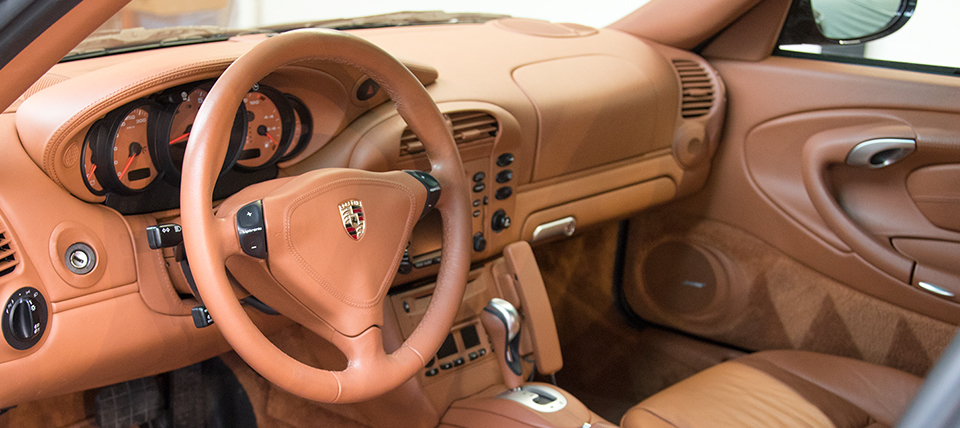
x: 696, y: 87
x: 8, y: 252
x: 468, y: 127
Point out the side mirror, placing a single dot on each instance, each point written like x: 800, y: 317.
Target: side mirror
x: 844, y: 22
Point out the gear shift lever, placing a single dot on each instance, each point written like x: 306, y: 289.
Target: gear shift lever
x: 502, y: 322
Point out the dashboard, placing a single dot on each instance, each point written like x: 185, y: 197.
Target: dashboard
x: 559, y: 127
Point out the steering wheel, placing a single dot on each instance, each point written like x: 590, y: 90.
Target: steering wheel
x: 324, y: 247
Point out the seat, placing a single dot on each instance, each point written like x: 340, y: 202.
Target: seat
x: 781, y: 389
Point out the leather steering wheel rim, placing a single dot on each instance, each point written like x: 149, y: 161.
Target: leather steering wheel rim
x: 210, y: 238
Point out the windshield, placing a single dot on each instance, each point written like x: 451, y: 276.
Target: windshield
x: 144, y: 24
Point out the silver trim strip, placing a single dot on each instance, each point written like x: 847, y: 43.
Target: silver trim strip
x: 528, y: 393
x: 936, y: 289
x: 564, y: 226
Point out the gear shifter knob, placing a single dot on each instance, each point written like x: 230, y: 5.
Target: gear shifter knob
x: 502, y: 322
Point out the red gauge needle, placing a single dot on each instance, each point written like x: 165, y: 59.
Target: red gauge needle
x: 135, y: 151
x: 90, y: 174
x: 180, y: 138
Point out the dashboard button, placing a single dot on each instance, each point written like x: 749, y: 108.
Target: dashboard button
x: 504, y: 193
x: 478, y: 177
x: 432, y: 372
x: 505, y: 159
x: 477, y: 188
x: 505, y: 176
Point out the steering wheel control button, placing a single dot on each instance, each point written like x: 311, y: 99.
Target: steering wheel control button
x: 164, y: 236
x: 504, y: 176
x: 433, y: 190
x: 504, y: 193
x: 201, y: 317
x: 505, y: 159
x: 251, y: 231
x: 479, y: 176
x: 80, y: 258
x: 24, y: 318
x: 499, y: 221
x: 477, y: 188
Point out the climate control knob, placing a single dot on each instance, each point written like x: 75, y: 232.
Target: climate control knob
x: 24, y: 318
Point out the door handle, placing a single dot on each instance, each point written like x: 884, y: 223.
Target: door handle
x: 881, y: 152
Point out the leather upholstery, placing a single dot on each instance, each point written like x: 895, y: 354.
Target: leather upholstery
x: 781, y: 388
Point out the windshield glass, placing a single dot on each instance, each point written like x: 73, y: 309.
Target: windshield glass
x: 156, y: 23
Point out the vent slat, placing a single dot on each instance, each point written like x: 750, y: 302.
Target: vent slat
x: 467, y: 127
x: 696, y: 88
x: 8, y: 252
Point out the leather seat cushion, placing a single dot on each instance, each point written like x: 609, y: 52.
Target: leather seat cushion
x: 781, y: 389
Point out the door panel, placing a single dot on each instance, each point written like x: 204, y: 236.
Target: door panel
x: 818, y: 254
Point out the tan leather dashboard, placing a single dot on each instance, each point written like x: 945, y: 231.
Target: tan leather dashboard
x: 552, y: 122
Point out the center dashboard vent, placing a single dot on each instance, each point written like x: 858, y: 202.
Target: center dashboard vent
x: 467, y: 127
x: 8, y: 252
x: 696, y: 86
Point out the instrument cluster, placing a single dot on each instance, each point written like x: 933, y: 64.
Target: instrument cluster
x: 138, y: 148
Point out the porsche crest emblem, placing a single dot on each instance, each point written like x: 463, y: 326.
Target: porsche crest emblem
x: 351, y: 212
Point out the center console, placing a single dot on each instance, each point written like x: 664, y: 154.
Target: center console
x: 504, y: 330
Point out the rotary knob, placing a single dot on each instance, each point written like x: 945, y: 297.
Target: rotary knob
x: 24, y: 318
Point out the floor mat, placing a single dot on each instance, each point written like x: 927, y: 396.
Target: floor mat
x: 609, y: 363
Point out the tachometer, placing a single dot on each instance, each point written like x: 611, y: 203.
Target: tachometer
x: 269, y: 126
x: 183, y: 104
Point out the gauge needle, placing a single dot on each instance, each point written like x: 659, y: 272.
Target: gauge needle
x: 180, y: 138
x: 90, y: 174
x: 262, y: 130
x: 135, y: 151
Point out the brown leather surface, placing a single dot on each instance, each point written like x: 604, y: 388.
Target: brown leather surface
x: 727, y: 395
x: 538, y: 318
x: 935, y: 191
x: 783, y: 388
x: 881, y: 392
x: 627, y: 113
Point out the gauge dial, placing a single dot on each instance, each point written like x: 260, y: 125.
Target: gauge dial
x: 302, y: 128
x: 89, y: 168
x: 176, y: 124
x: 265, y: 137
x: 131, y: 160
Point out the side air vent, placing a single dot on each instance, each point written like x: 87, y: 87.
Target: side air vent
x: 467, y: 127
x: 696, y: 87
x: 8, y: 252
